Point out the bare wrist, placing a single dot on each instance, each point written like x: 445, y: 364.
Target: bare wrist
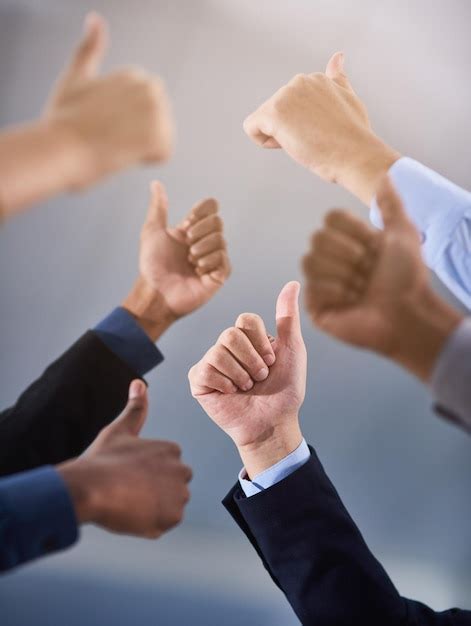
x: 73, y: 160
x: 149, y: 309
x: 76, y: 475
x: 259, y: 456
x: 422, y: 325
x: 370, y: 161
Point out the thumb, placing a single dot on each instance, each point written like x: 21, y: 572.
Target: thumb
x: 288, y: 323
x: 134, y: 415
x: 87, y: 58
x: 158, y: 205
x: 335, y: 70
x: 390, y: 205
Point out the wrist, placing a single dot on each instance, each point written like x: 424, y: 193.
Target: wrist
x: 262, y: 454
x: 72, y: 162
x: 370, y: 161
x: 422, y: 324
x: 76, y: 476
x: 149, y: 309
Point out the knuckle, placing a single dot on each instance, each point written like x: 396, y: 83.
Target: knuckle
x: 171, y: 448
x: 318, y: 238
x: 217, y: 222
x: 249, y: 321
x: 229, y: 336
x: 188, y: 475
x: 335, y: 216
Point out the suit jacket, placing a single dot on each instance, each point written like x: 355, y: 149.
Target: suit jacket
x: 61, y: 413
x: 316, y: 555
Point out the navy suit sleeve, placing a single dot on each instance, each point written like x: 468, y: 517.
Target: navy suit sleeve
x: 62, y: 412
x: 316, y: 555
x: 36, y: 516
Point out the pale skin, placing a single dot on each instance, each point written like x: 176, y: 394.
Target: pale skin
x: 92, y: 126
x: 322, y: 124
x: 127, y: 484
x: 252, y: 385
x: 181, y: 267
x: 371, y: 288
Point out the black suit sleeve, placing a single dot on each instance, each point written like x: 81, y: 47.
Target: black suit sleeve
x: 316, y: 555
x: 61, y: 413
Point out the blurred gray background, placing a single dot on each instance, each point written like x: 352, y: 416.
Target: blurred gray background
x: 404, y: 475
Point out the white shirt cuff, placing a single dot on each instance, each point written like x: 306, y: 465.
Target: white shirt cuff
x: 275, y: 473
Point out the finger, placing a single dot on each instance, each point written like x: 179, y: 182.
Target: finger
x: 203, y: 227
x: 206, y: 245
x: 202, y: 209
x: 134, y: 415
x: 320, y: 266
x: 224, y: 362
x: 259, y: 127
x: 254, y: 327
x: 87, y: 59
x: 240, y: 346
x: 210, y: 262
x: 204, y: 379
x: 158, y: 205
x: 390, y: 205
x: 288, y: 323
x: 221, y: 274
x: 336, y: 72
x: 322, y: 294
x: 187, y: 475
x: 337, y: 245
x: 348, y: 224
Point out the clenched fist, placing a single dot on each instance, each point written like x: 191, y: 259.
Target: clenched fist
x: 181, y: 267
x: 371, y: 288
x: 323, y: 125
x: 92, y: 126
x: 115, y: 120
x: 252, y: 385
x: 127, y: 484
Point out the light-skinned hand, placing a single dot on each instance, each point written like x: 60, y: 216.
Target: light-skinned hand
x: 322, y: 124
x: 253, y: 386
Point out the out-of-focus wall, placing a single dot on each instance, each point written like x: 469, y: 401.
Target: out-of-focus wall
x: 404, y: 475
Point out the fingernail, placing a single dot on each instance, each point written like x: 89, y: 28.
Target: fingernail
x: 186, y: 223
x: 262, y: 374
x: 248, y: 386
x: 136, y: 389
x: 269, y: 359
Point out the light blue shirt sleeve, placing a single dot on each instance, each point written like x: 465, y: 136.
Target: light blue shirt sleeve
x: 120, y: 332
x: 441, y: 212
x: 275, y: 473
x: 451, y: 378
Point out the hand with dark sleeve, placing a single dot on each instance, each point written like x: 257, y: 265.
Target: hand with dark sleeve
x: 252, y: 386
x: 181, y: 269
x: 123, y: 483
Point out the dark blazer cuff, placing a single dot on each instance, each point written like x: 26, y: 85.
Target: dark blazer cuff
x: 37, y: 516
x: 120, y: 332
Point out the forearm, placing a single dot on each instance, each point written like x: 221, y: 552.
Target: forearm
x: 37, y: 160
x: 370, y: 160
x: 315, y: 553
x: 36, y: 516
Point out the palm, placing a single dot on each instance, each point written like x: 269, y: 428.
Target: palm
x: 272, y: 400
x: 165, y: 266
